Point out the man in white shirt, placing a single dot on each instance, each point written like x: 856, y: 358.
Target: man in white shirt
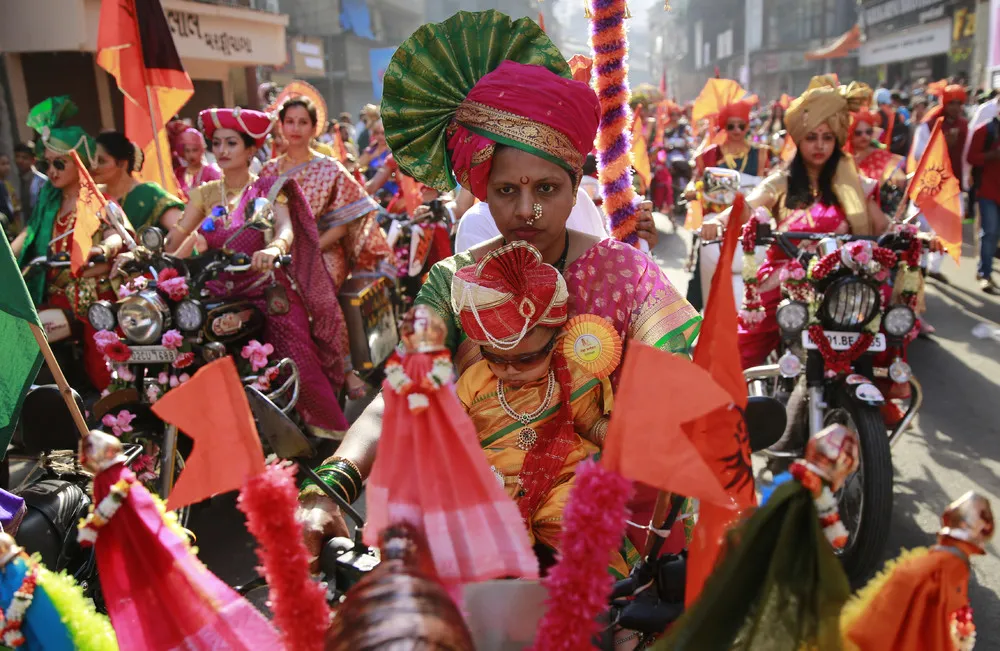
x: 477, y: 225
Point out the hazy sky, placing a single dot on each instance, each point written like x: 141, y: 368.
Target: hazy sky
x: 565, y: 8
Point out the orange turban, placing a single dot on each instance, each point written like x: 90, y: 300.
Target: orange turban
x: 739, y: 109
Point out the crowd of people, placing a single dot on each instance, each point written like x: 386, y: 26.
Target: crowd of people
x: 505, y: 180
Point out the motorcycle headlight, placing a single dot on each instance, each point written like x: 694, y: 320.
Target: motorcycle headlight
x: 792, y: 316
x: 143, y: 317
x: 189, y: 315
x: 849, y: 304
x: 899, y: 320
x: 101, y: 315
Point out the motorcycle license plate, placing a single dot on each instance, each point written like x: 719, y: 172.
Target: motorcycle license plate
x: 843, y: 340
x: 151, y: 354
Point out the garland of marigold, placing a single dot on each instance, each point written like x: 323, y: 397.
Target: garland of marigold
x: 609, y: 42
x: 752, y: 312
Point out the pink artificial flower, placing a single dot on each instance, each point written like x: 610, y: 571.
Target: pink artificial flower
x: 153, y: 393
x: 257, y: 353
x: 120, y: 424
x: 184, y: 377
x: 125, y: 291
x: 860, y: 253
x: 176, y: 288
x: 798, y: 273
x: 272, y: 373
x: 104, y: 338
x: 163, y: 378
x: 183, y: 360
x: 172, y: 339
x: 882, y: 275
x: 262, y: 384
x: 174, y: 382
x: 124, y: 373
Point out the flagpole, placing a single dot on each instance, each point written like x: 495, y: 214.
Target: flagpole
x: 156, y: 132
x: 64, y: 388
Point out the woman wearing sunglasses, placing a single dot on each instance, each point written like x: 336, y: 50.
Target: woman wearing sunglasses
x: 537, y: 409
x: 515, y: 133
x: 735, y: 152
x: 50, y: 228
x: 874, y: 161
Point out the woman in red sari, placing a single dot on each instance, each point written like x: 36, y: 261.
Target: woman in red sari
x: 874, y: 162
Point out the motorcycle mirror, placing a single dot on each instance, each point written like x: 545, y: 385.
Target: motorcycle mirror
x: 260, y: 214
x: 763, y: 231
x: 279, y: 432
x: 118, y: 220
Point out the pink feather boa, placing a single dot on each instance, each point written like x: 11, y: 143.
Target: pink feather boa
x: 579, y: 585
x: 299, y: 604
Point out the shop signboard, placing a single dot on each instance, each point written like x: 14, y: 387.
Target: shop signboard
x: 922, y: 41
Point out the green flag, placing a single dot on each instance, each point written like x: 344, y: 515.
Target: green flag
x: 20, y: 356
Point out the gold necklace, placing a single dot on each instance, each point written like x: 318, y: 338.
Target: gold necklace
x: 527, y: 436
x: 226, y: 201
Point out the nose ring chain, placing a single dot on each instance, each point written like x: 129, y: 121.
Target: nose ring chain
x: 537, y: 209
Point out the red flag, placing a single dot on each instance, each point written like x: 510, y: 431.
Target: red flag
x: 661, y: 123
x: 212, y: 409
x: 721, y: 436
x: 135, y: 46
x: 663, y: 83
x: 937, y: 192
x: 646, y: 443
x: 89, y: 204
x: 541, y: 20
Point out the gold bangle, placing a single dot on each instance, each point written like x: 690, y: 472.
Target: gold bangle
x: 599, y: 431
x: 350, y: 463
x: 183, y: 231
x: 279, y: 243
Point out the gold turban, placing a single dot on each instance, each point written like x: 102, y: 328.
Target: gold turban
x: 824, y: 102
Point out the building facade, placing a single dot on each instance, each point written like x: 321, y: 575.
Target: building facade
x: 220, y: 44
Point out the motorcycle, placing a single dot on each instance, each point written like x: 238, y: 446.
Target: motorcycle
x: 718, y: 191
x: 678, y: 149
x: 56, y: 488
x: 165, y: 291
x: 831, y: 354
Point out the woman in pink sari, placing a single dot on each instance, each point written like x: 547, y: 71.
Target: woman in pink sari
x: 820, y: 192
x: 304, y: 320
x: 516, y: 138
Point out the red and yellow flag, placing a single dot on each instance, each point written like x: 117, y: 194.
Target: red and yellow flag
x: 661, y: 123
x: 937, y: 192
x: 640, y: 153
x: 135, y: 46
x: 721, y: 436
x: 89, y: 204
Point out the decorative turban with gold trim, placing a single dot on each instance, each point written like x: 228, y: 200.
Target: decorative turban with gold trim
x: 454, y: 90
x: 509, y: 292
x: 824, y: 102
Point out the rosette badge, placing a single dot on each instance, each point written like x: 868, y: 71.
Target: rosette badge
x: 591, y: 342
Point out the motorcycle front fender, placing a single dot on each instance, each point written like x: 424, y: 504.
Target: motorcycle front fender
x: 861, y: 390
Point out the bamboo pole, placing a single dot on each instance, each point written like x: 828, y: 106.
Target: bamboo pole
x: 64, y: 388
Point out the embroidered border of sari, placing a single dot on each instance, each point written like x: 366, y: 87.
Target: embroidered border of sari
x: 145, y: 204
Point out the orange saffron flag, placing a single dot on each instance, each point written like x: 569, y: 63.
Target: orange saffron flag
x: 212, y: 409
x: 135, y: 46
x: 937, y: 193
x: 645, y: 442
x: 661, y: 124
x: 89, y: 204
x: 721, y: 436
x: 338, y: 146
x: 640, y: 153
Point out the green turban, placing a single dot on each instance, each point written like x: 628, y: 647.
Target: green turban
x: 47, y: 120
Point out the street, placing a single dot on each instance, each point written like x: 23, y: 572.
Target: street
x: 953, y: 446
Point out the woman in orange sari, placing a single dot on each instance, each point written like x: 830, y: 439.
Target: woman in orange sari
x: 350, y: 237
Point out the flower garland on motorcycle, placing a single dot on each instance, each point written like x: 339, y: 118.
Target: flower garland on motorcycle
x: 797, y: 284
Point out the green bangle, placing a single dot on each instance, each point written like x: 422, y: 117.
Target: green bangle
x: 332, y: 483
x: 335, y: 474
x: 350, y: 467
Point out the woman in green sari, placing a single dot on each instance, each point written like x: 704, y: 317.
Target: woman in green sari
x: 53, y: 219
x: 145, y: 204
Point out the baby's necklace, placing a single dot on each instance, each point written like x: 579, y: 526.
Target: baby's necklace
x: 527, y: 437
